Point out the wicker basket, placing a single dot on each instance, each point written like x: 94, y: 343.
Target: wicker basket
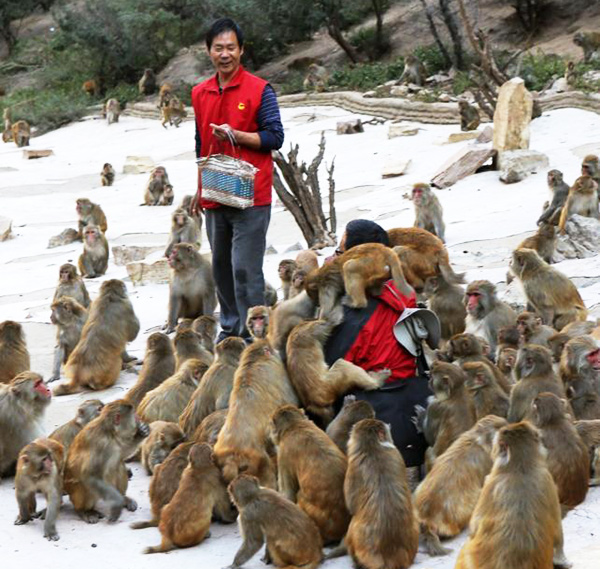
x: 227, y: 180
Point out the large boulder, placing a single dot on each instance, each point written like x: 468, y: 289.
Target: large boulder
x: 515, y: 165
x: 147, y: 272
x: 512, y: 116
x: 582, y: 239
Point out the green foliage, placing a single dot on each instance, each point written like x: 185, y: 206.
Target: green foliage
x: 431, y: 57
x: 365, y: 41
x: 539, y: 68
x: 294, y: 83
x: 366, y: 76
x: 11, y: 11
x: 461, y: 82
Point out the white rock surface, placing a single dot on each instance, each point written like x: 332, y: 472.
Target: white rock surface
x: 516, y: 165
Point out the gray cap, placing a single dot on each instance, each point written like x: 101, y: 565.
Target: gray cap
x: 416, y: 324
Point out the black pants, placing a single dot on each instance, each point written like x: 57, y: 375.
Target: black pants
x: 238, y: 240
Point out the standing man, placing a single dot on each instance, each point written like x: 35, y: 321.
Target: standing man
x: 235, y: 103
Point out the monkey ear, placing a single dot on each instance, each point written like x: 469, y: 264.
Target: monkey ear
x: 161, y: 437
x: 117, y: 419
x: 14, y: 389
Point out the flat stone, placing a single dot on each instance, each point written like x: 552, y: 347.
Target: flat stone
x: 138, y: 165
x: 444, y: 98
x: 460, y: 136
x: 487, y: 134
x: 294, y: 247
x: 32, y: 154
x: 581, y: 239
x: 516, y: 165
x: 395, y: 168
x: 142, y: 273
x: 64, y: 238
x: 123, y: 254
x: 270, y: 250
x: 463, y: 164
x: 402, y: 130
x: 5, y: 228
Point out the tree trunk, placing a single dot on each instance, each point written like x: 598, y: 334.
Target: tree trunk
x: 337, y: 36
x: 452, y: 26
x: 379, y: 10
x: 436, y: 35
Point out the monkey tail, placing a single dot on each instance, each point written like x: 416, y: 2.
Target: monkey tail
x: 230, y: 469
x: 449, y: 275
x: 166, y: 545
x: 563, y: 218
x: 144, y: 525
x: 398, y: 274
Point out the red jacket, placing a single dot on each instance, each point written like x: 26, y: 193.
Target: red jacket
x: 237, y: 106
x: 376, y: 347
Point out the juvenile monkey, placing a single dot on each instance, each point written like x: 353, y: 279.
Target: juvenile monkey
x: 544, y: 242
x: 316, y: 79
x: 206, y: 327
x: 508, y: 337
x: 183, y: 230
x: 313, y: 478
x: 486, y: 314
x: 591, y: 167
x: 163, y: 438
x: 292, y: 538
x: 39, y: 469
x: 589, y: 42
x: 90, y: 214
x: 107, y: 176
x: 532, y: 330
x: 96, y: 360
x: 445, y: 299
x: 570, y: 74
x: 192, y: 288
x: 14, y: 356
x: 307, y: 260
x: 22, y: 405
x: 188, y: 346
x: 71, y: 284
x: 215, y: 388
x: 517, y: 520
x: 488, y: 397
x: 165, y: 94
x: 93, y: 262
x: 535, y: 375
x: 414, y: 71
x: 113, y: 111
x: 582, y: 200
x: 147, y: 83
x: 186, y: 204
x: 257, y: 322
x: 173, y: 112
x: 469, y: 116
x: 446, y: 498
x: 352, y: 412
x: 297, y: 282
x: 90, y: 87
x: 428, y: 210
x: 159, y: 364
x: 286, y: 316
x: 95, y: 467
x: 69, y: 317
x: 506, y: 360
x: 86, y: 412
x: 286, y: 270
x: 568, y: 459
x: 560, y: 190
x: 552, y: 294
x: 21, y: 133
x: 167, y: 401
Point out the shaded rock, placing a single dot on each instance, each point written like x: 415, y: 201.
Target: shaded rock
x: 138, y: 165
x: 582, y: 239
x: 395, y: 168
x: 31, y: 154
x: 270, y: 250
x: 486, y: 135
x: 5, y: 228
x: 294, y: 247
x: 402, y: 130
x: 512, y: 116
x: 123, y: 254
x: 64, y: 238
x: 399, y: 91
x: 350, y: 127
x: 370, y: 94
x: 142, y: 273
x: 515, y: 165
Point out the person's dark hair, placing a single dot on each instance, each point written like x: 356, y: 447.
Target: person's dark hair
x: 224, y: 25
x: 359, y: 231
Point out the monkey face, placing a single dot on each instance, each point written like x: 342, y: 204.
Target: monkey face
x: 180, y: 219
x: 507, y: 359
x: 473, y: 298
x: 91, y: 235
x: 593, y: 358
x: 67, y: 273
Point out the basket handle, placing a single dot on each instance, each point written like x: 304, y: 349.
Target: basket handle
x: 231, y: 140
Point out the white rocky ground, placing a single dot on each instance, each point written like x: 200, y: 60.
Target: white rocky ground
x: 484, y: 219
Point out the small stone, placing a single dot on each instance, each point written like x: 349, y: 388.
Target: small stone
x: 5, y: 228
x: 444, y: 98
x: 399, y: 91
x: 294, y: 247
x: 270, y: 250
x: 66, y: 237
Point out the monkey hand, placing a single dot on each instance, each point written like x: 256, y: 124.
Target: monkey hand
x: 419, y: 419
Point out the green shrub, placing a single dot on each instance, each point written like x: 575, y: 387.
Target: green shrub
x: 461, y: 82
x: 365, y: 41
x: 366, y: 76
x: 431, y: 57
x: 538, y: 69
x: 294, y: 83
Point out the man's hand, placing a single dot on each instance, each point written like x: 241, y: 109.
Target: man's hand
x: 223, y: 131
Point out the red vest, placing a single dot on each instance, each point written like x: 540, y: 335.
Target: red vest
x: 237, y: 106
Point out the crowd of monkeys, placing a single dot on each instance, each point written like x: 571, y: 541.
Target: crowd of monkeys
x: 250, y: 431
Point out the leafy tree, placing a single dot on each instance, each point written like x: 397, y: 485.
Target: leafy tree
x: 12, y: 13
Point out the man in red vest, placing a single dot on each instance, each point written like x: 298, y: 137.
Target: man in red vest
x: 234, y: 105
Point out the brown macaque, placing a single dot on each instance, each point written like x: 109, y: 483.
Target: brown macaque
x: 22, y: 405
x: 508, y: 337
x: 188, y: 346
x: 519, y: 499
x: 428, y: 210
x: 314, y: 477
x: 21, y: 133
x: 559, y: 190
x: 579, y: 371
x: 90, y: 214
x: 363, y: 268
x: 445, y: 299
x: 270, y: 295
x: 165, y: 482
x: 40, y: 469
x: 210, y: 427
x: 297, y: 284
x: 589, y: 431
x: 535, y: 375
x: 185, y: 520
x: 183, y: 230
x: 156, y: 186
x: 159, y: 364
x: 260, y: 387
x: 69, y: 317
x: 383, y: 531
x: 307, y: 261
x: 95, y: 468
x: 352, y: 412
x: 93, y: 262
x: 589, y: 42
x: 551, y: 293
x: 532, y: 330
x: 292, y: 538
x: 317, y: 385
x: 568, y: 459
x: 414, y: 71
x: 163, y: 438
x: 206, y: 327
x: 591, y: 167
x: 257, y: 322
x: 582, y: 200
x: 506, y: 360
x: 469, y: 115
x: 71, y: 284
x: 286, y: 316
x: 571, y: 74
x: 488, y: 397
x: 173, y: 112
x: 14, y: 356
x: 316, y: 79
x: 192, y: 288
x: 556, y: 344
x: 450, y: 412
x: 96, y: 360
x: 90, y: 87
x: 167, y: 401
x: 7, y: 133
x: 113, y: 111
x: 486, y: 314
x: 86, y: 412
x: 286, y: 270
x: 446, y: 498
x: 107, y: 176
x: 543, y: 241
x: 165, y: 94
x: 215, y: 388
x: 186, y: 204
x: 147, y: 83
